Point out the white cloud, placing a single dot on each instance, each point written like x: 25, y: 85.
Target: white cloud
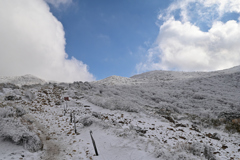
x: 57, y: 3
x: 182, y: 45
x: 32, y: 42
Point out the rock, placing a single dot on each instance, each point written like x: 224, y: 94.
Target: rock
x: 139, y: 130
x: 196, y: 122
x: 95, y: 114
x: 195, y: 128
x: 216, y: 136
x: 180, y: 125
x: 209, y: 135
x: 10, y: 98
x: 224, y: 146
x: 86, y: 121
x: 58, y: 103
x: 169, y: 118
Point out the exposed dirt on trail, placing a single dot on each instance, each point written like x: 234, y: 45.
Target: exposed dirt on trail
x: 51, y: 149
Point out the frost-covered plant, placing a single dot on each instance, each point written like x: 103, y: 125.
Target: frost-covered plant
x: 114, y: 103
x: 11, y: 112
x: 20, y: 111
x: 196, y: 149
x: 208, y: 152
x: 14, y: 130
x: 7, y: 112
x: 30, y: 95
x: 86, y: 121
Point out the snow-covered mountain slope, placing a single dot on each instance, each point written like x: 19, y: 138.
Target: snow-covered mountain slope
x: 200, y: 93
x: 231, y: 70
x: 156, y: 76
x: 154, y: 115
x: 22, y: 80
x: 117, y: 80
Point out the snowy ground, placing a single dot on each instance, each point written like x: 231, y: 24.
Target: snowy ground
x: 128, y: 121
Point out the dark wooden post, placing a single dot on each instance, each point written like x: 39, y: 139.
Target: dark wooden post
x: 74, y: 120
x: 71, y: 116
x: 94, y: 144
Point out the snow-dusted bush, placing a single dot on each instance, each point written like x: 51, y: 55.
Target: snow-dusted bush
x: 199, y: 150
x: 30, y: 95
x: 86, y: 121
x: 114, y: 103
x: 7, y: 112
x: 11, y: 112
x: 196, y: 149
x: 208, y: 152
x: 20, y: 111
x: 164, y: 154
x: 12, y: 129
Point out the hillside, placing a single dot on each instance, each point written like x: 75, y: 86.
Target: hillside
x: 22, y: 80
x: 154, y: 115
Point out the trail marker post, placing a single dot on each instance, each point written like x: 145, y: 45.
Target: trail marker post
x: 74, y: 120
x: 94, y: 144
x: 71, y: 117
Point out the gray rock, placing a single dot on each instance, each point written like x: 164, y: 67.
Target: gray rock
x: 216, y: 136
x: 86, y: 121
x: 95, y: 114
x: 10, y: 98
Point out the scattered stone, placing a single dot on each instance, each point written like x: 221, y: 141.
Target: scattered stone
x: 171, y: 129
x: 224, y: 147
x: 95, y: 114
x: 139, y: 130
x: 10, y: 98
x: 195, y: 128
x: 209, y: 135
x: 58, y: 103
x: 216, y: 136
x: 180, y: 130
x: 180, y: 125
x: 87, y: 121
x: 182, y: 137
x: 169, y: 118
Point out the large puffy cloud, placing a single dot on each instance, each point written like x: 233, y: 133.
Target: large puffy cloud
x: 32, y: 42
x: 182, y: 45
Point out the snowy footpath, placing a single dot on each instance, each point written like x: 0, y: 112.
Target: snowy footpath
x: 119, y: 135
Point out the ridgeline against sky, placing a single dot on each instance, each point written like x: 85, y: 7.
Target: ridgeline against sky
x: 71, y: 40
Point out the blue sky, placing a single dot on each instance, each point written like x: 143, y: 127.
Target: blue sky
x: 111, y: 37
x: 83, y: 40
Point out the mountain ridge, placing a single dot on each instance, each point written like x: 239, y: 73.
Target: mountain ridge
x: 27, y: 79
